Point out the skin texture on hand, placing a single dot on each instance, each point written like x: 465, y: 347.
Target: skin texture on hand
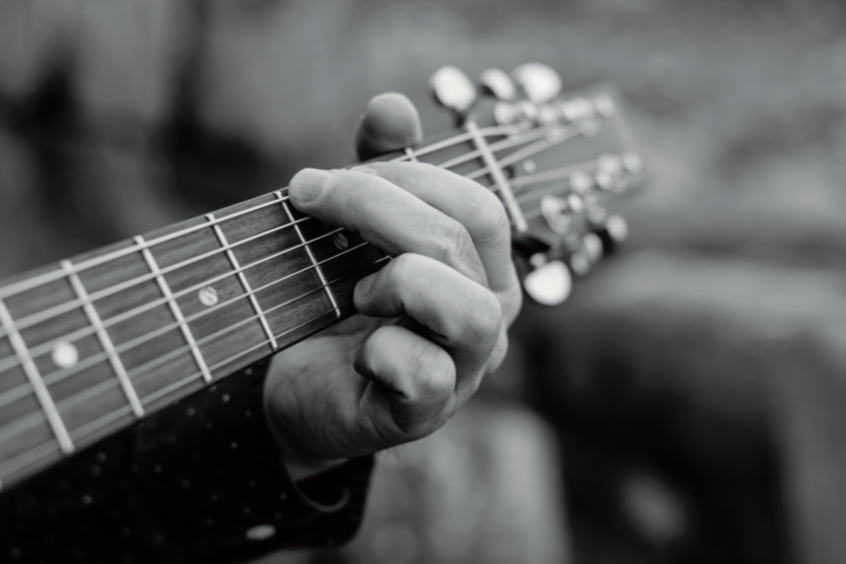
x: 432, y: 322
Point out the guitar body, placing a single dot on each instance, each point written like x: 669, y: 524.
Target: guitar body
x: 97, y: 497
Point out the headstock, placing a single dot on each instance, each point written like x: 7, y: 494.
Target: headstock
x: 558, y: 161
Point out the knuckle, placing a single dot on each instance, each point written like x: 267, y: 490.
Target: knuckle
x: 447, y: 233
x: 484, y: 318
x: 432, y: 370
x: 492, y: 222
x: 454, y: 245
x: 404, y: 269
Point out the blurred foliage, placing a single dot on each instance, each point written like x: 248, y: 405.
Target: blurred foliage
x: 694, y: 385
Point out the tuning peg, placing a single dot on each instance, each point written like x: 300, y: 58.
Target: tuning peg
x: 613, y: 231
x: 592, y: 244
x: 581, y: 182
x: 498, y: 84
x: 506, y: 113
x: 604, y: 105
x: 452, y: 89
x: 632, y: 163
x: 586, y: 255
x: 550, y: 281
x: 538, y: 81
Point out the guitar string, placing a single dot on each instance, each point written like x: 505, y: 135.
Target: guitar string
x: 142, y: 372
x: 240, y: 297
x: 44, y: 315
x: 64, y: 307
x: 34, y: 282
x: 37, y: 452
x: 44, y: 348
x: 22, y: 390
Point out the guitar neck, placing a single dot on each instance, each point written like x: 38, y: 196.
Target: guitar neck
x: 91, y: 345
x: 102, y: 339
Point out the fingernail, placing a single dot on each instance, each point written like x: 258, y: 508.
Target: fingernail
x: 307, y: 185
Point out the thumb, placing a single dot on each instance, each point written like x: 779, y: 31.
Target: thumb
x: 390, y: 123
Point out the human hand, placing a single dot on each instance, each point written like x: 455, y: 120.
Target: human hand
x: 431, y: 323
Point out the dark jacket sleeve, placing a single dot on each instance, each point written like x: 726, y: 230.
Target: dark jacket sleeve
x: 200, y: 481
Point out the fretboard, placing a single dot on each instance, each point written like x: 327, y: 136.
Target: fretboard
x: 91, y: 345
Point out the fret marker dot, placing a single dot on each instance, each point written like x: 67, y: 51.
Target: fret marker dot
x: 341, y: 241
x: 65, y: 354
x: 208, y: 296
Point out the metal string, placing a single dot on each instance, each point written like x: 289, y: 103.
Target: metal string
x: 22, y: 390
x: 33, y: 454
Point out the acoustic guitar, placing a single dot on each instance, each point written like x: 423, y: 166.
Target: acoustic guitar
x: 92, y: 345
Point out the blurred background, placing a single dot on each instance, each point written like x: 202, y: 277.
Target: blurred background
x: 688, y: 404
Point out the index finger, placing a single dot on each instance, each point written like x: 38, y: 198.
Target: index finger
x: 466, y: 201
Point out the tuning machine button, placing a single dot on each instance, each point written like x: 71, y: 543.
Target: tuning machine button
x: 506, y: 113
x: 632, y: 163
x: 592, y: 245
x: 498, y: 84
x: 581, y: 182
x: 610, y: 163
x: 612, y: 230
x: 586, y: 254
x: 577, y: 109
x: 539, y: 82
x: 453, y: 90
x: 554, y: 211
x: 549, y: 282
x: 604, y: 105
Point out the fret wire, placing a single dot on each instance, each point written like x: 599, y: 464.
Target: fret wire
x: 176, y: 385
x: 129, y: 314
x: 511, y: 205
x: 172, y: 387
x: 174, y: 308
x: 530, y: 134
x: 233, y: 260
x: 41, y: 316
x: 35, y: 381
x: 310, y: 256
x: 140, y: 371
x: 84, y: 363
x: 47, y: 277
x: 528, y: 151
x: 60, y: 375
x: 105, y: 340
x: 52, y: 276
